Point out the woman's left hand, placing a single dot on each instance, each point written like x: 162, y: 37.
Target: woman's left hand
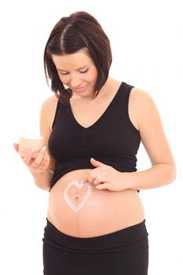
x: 106, y: 177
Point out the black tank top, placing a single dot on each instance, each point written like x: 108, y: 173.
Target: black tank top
x: 112, y: 139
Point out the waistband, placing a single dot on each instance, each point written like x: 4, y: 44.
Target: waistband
x: 124, y: 237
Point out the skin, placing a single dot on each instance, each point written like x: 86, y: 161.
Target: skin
x: 143, y: 111
x: 78, y: 70
x: 75, y: 71
x: 145, y: 117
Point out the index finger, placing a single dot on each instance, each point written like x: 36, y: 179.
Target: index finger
x: 40, y: 155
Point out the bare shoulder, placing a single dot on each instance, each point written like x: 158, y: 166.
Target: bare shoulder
x: 141, y: 102
x: 140, y: 97
x: 50, y: 101
x: 48, y: 109
x: 151, y: 127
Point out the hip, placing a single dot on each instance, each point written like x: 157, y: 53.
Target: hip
x: 124, y: 251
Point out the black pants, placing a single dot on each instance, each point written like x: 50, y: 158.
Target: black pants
x: 123, y: 252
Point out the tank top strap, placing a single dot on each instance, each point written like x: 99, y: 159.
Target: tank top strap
x: 61, y: 111
x: 122, y: 98
x: 122, y: 105
x: 124, y: 94
x: 57, y: 110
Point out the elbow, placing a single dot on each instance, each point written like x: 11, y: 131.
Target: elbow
x: 172, y: 173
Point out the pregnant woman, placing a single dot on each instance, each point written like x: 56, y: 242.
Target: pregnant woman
x: 92, y: 128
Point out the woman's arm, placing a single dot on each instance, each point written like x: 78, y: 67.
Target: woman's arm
x: 42, y: 179
x: 46, y: 117
x: 153, y: 137
x: 157, y: 176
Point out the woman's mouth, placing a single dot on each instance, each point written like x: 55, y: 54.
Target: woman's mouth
x: 81, y: 89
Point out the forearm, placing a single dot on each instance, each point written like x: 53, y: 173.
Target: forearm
x: 42, y: 179
x: 156, y: 176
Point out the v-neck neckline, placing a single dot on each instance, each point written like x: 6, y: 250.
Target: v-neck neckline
x: 99, y: 119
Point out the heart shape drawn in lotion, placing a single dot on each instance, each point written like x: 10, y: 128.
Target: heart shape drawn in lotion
x: 76, y: 202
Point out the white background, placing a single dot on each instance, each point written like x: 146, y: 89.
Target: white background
x: 147, y: 41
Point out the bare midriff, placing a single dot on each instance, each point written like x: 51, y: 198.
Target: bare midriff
x: 78, y: 209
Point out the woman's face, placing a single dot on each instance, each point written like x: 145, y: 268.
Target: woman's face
x: 78, y: 72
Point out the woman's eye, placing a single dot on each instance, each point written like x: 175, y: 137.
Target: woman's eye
x: 84, y: 71
x: 63, y: 73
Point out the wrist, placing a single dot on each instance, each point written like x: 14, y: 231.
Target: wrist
x: 128, y: 180
x: 39, y: 171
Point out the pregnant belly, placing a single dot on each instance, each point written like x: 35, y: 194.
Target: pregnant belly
x: 77, y: 208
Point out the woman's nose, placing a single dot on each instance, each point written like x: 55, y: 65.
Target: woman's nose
x: 76, y: 86
x: 75, y: 83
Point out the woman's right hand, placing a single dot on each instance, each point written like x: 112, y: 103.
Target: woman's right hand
x: 33, y: 153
